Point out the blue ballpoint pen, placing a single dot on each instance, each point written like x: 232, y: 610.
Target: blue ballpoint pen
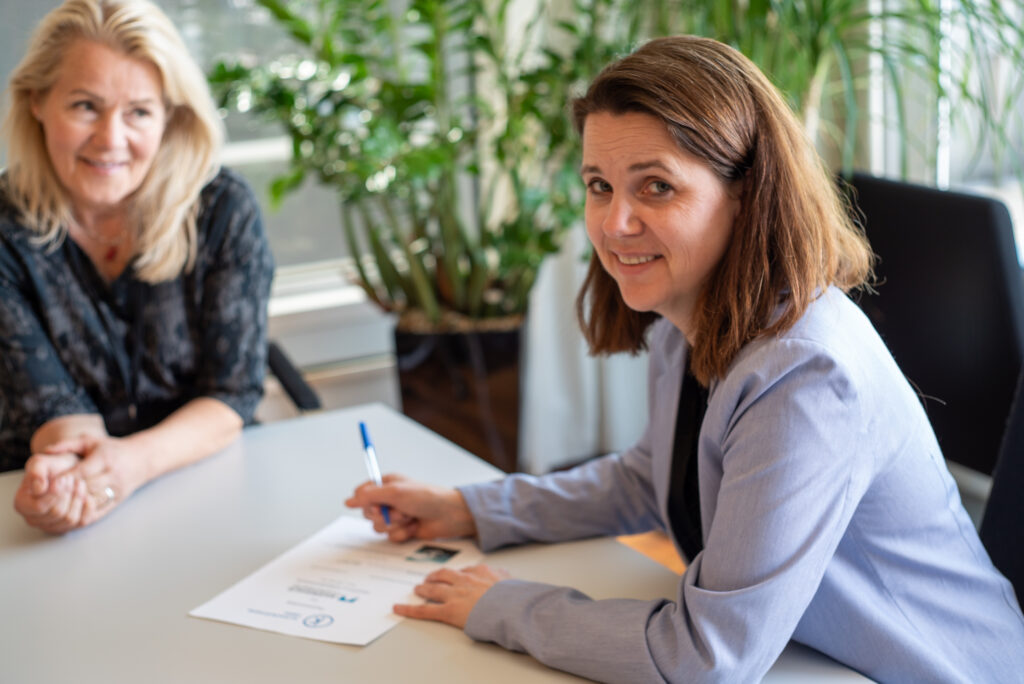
x: 372, y: 466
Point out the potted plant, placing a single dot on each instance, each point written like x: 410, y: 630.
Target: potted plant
x: 452, y: 156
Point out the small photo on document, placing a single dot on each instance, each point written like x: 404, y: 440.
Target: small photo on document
x: 429, y: 553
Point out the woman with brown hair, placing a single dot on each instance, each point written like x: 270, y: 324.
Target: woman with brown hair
x: 787, y: 456
x: 134, y: 271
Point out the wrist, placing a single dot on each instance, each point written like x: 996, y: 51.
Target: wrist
x: 67, y: 427
x: 142, y: 457
x: 465, y: 523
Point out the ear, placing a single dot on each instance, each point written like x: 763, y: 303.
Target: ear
x: 36, y: 105
x: 736, y: 197
x: 736, y: 191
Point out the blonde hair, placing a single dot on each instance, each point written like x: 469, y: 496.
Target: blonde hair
x: 793, y: 236
x: 165, y: 205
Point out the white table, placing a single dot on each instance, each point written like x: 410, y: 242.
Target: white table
x: 108, y: 604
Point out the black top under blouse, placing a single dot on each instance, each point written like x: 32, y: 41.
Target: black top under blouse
x: 684, y: 489
x: 131, y: 351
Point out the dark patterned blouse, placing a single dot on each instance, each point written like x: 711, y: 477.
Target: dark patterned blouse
x: 131, y: 351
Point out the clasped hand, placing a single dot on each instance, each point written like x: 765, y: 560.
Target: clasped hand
x: 419, y: 511
x: 75, y: 482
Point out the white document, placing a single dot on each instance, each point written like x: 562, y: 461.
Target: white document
x: 339, y: 585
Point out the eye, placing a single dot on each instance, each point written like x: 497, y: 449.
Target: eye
x: 597, y: 186
x: 83, y: 106
x: 659, y: 187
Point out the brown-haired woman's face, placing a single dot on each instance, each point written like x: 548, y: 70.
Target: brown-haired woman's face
x: 658, y: 217
x: 103, y: 121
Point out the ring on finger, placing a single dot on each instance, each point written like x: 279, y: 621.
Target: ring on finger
x: 108, y: 492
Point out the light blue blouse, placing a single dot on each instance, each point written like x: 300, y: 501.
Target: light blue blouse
x: 829, y: 517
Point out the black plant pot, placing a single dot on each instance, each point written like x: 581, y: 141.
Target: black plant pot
x: 465, y: 387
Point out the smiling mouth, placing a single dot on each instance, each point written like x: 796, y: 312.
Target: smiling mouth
x: 104, y: 164
x: 636, y: 260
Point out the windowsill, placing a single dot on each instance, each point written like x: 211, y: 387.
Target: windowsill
x: 320, y: 318
x: 312, y: 287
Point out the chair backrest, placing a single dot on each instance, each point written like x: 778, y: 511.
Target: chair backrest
x: 1002, y: 527
x: 950, y: 306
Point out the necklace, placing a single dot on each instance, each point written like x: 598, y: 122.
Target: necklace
x: 113, y: 244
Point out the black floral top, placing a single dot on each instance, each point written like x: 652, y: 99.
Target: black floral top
x: 131, y: 351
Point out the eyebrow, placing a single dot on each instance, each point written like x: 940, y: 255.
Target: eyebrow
x: 633, y: 168
x: 95, y: 96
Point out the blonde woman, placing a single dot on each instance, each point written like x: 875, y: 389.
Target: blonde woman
x: 134, y: 273
x: 785, y: 453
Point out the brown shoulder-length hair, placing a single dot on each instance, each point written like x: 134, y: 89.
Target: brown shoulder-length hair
x: 793, y: 236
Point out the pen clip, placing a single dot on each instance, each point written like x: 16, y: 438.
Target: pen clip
x: 372, y: 464
x: 367, y: 444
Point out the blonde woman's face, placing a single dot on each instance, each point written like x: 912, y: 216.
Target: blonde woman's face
x: 659, y: 218
x: 103, y: 121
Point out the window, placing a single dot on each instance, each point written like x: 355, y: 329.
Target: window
x: 946, y: 147
x: 993, y: 166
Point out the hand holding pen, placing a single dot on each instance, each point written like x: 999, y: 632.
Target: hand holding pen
x: 410, y: 509
x: 373, y: 466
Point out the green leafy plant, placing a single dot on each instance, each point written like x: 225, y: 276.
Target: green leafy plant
x: 448, y: 143
x: 447, y: 138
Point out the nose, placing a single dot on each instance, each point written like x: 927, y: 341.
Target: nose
x: 621, y: 219
x: 110, y: 130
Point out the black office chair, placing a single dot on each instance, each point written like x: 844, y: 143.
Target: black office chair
x: 1002, y: 527
x: 295, y: 386
x: 950, y: 306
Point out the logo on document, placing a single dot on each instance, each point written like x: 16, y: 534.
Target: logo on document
x: 317, y: 620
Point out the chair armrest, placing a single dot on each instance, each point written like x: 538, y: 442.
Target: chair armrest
x: 298, y: 390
